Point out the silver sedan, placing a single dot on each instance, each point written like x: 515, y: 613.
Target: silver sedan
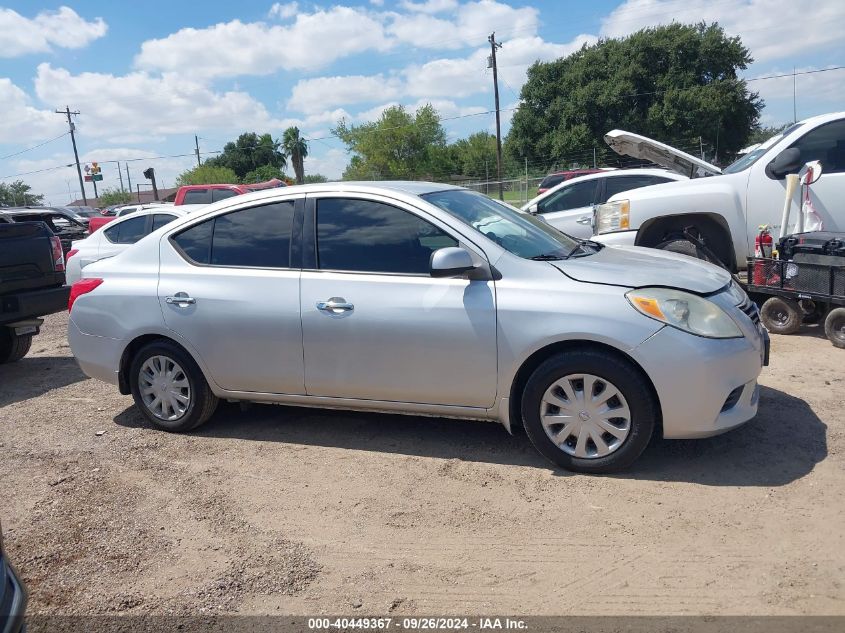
x: 421, y: 298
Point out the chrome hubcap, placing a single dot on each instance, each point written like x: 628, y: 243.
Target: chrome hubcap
x: 164, y: 388
x: 585, y: 416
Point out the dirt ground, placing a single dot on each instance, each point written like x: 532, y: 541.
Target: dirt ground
x: 300, y: 511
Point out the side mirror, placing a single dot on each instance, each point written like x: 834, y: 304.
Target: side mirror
x: 787, y: 162
x: 810, y: 172
x: 534, y: 209
x: 451, y: 261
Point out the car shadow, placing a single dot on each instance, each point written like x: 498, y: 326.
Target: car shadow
x: 783, y: 443
x: 33, y: 376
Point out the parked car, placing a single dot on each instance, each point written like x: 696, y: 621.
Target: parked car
x: 206, y: 194
x: 120, y: 211
x: 420, y: 298
x: 726, y: 209
x: 12, y: 595
x: 569, y: 206
x: 32, y: 283
x: 554, y: 179
x: 67, y: 226
x: 118, y: 236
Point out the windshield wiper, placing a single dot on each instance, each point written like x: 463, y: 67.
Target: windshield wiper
x: 546, y: 257
x: 582, y: 243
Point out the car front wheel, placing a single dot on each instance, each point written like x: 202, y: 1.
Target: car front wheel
x: 589, y: 411
x: 169, y: 388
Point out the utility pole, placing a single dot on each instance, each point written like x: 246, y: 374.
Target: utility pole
x: 120, y: 175
x: 67, y: 112
x: 197, y: 143
x: 794, y: 108
x: 594, y: 157
x: 128, y: 179
x: 492, y: 64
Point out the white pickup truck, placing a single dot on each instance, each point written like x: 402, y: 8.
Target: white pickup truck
x: 725, y: 207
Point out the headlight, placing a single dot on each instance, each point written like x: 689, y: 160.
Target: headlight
x: 685, y: 311
x: 613, y: 216
x: 736, y: 293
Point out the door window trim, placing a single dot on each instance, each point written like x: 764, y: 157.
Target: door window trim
x: 298, y: 204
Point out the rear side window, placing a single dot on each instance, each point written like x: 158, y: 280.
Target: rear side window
x: 127, y: 232
x: 160, y: 219
x: 256, y: 237
x: 618, y: 184
x: 222, y: 194
x: 368, y: 236
x: 197, y: 196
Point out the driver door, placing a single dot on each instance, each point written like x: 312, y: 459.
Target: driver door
x: 570, y: 208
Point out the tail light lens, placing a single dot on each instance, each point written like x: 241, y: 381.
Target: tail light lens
x: 58, y: 255
x: 71, y: 253
x: 81, y: 287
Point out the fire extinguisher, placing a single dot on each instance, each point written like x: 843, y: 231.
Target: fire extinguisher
x: 763, y: 245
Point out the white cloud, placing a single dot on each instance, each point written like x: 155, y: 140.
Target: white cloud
x: 430, y: 6
x: 283, y: 11
x: 771, y: 29
x: 237, y: 48
x: 126, y: 106
x: 470, y: 25
x: 63, y: 28
x: 816, y: 93
x: 314, y: 95
x: 330, y: 164
x: 22, y: 122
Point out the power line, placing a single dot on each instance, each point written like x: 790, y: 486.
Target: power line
x: 29, y: 149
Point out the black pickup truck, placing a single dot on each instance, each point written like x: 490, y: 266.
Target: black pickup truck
x: 32, y: 283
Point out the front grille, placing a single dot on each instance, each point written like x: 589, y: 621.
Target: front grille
x: 751, y: 311
x: 732, y: 399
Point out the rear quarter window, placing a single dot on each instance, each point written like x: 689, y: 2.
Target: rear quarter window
x: 197, y: 196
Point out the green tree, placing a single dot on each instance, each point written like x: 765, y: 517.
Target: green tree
x: 314, y: 178
x: 207, y: 174
x: 674, y: 83
x: 18, y: 194
x: 265, y: 172
x: 297, y: 149
x: 398, y: 145
x: 475, y: 156
x: 114, y: 196
x: 248, y: 152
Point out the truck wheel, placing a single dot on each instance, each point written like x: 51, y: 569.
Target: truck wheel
x: 781, y: 315
x: 169, y: 388
x: 589, y: 411
x: 12, y: 346
x: 834, y: 327
x: 685, y: 247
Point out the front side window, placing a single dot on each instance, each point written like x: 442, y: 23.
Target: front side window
x: 128, y: 231
x: 574, y: 196
x: 552, y: 181
x: 255, y: 237
x: 520, y: 233
x: 826, y: 144
x: 618, y: 184
x: 222, y: 194
x: 197, y: 196
x: 368, y: 236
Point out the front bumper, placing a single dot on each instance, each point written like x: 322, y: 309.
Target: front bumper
x: 617, y: 238
x: 705, y: 386
x: 13, y: 601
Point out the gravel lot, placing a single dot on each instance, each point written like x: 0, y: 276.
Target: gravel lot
x: 300, y: 511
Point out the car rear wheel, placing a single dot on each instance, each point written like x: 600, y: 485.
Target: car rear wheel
x: 834, y: 327
x: 781, y: 315
x: 589, y: 411
x: 12, y: 346
x: 169, y: 388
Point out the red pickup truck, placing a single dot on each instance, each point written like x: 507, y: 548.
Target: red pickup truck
x: 206, y: 194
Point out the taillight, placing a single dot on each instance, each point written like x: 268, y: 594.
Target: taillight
x: 58, y: 255
x: 81, y: 287
x: 71, y: 253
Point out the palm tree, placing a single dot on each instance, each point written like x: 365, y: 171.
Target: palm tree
x: 295, y: 147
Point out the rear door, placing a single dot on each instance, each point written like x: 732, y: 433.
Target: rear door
x: 570, y: 208
x: 229, y: 287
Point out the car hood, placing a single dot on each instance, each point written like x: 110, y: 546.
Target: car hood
x: 637, y: 267
x: 644, y: 148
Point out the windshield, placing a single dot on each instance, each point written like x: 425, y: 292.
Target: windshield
x: 521, y: 234
x: 753, y: 156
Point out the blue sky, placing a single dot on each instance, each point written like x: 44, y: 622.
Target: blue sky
x: 149, y: 76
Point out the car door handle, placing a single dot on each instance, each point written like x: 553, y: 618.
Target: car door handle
x: 179, y: 299
x: 335, y: 305
x: 584, y: 220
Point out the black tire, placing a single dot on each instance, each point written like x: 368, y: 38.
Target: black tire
x: 781, y: 315
x: 624, y: 375
x: 13, y: 347
x: 202, y: 402
x: 834, y: 327
x: 685, y: 247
